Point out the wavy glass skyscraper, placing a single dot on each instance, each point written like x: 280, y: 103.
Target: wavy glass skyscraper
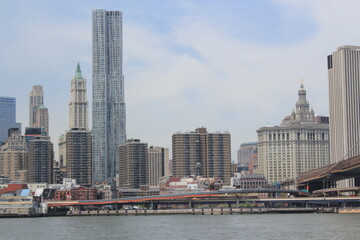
x: 109, y: 115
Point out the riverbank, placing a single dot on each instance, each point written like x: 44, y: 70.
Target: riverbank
x: 185, y: 211
x: 349, y: 210
x: 199, y: 211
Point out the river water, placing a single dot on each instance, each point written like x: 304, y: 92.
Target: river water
x: 208, y: 227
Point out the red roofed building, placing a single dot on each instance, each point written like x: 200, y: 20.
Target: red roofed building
x: 81, y: 193
x: 13, y: 188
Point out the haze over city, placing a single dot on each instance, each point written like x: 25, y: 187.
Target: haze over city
x: 227, y: 65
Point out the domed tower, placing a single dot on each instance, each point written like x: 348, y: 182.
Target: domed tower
x: 302, y: 105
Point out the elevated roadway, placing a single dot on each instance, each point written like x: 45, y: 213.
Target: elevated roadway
x: 210, y: 196
x: 325, y: 177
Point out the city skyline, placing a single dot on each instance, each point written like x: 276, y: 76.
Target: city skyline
x: 171, y: 70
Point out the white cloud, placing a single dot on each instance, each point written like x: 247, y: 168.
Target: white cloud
x: 196, y: 73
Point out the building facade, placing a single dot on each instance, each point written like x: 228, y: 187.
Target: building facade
x: 42, y: 119
x: 12, y: 165
x: 8, y: 116
x: 15, y: 141
x: 249, y: 181
x: 79, y: 156
x: 62, y: 150
x: 298, y: 145
x: 14, y: 156
x: 199, y: 153
x: 134, y: 165
x: 245, y: 153
x: 78, y: 105
x: 174, y: 185
x: 32, y: 133
x: 36, y: 99
x: 344, y: 99
x: 158, y: 158
x: 108, y: 108
x: 80, y: 193
x: 41, y: 160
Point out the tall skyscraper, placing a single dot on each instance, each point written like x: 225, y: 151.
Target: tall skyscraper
x: 79, y: 155
x: 78, y: 105
x: 344, y: 98
x: 36, y: 99
x: 134, y: 164
x: 108, y: 108
x: 299, y: 144
x: 7, y: 116
x: 202, y: 153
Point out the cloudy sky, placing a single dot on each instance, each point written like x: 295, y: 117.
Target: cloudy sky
x: 232, y: 65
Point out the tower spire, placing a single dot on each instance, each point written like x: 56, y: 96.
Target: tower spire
x: 78, y: 73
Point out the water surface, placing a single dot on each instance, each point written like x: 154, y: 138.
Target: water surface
x: 246, y: 226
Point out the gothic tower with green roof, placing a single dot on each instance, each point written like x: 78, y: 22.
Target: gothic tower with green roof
x: 78, y: 105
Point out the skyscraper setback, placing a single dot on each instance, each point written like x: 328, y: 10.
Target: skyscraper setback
x: 109, y: 115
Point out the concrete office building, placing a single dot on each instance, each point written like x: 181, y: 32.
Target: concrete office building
x: 78, y: 105
x: 41, y: 160
x: 108, y: 108
x: 13, y: 156
x: 134, y: 165
x: 79, y: 156
x: 15, y: 141
x: 344, y: 98
x: 200, y: 153
x: 36, y: 99
x: 13, y: 164
x: 7, y: 117
x: 158, y: 158
x: 298, y: 145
